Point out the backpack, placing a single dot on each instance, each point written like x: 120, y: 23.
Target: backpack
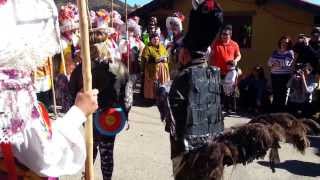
x: 202, y: 117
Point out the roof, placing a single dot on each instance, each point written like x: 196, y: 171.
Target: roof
x: 153, y: 5
x: 312, y: 6
x: 100, y: 4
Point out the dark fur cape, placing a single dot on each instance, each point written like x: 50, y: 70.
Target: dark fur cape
x: 248, y: 142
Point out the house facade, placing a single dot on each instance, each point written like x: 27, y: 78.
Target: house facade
x: 257, y: 24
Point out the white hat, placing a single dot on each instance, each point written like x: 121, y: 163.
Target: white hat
x: 116, y: 18
x: 132, y: 24
x: 102, y: 19
x: 110, y: 30
x: 176, y: 19
x: 68, y: 17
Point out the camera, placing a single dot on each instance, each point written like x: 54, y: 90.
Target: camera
x: 299, y: 68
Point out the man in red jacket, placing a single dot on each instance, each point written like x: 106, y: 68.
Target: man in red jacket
x: 225, y: 50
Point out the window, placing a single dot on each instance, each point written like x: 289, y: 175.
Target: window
x: 317, y: 20
x: 241, y: 27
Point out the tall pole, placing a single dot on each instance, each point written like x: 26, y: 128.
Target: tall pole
x: 53, y: 86
x: 127, y: 38
x: 87, y: 82
x: 112, y: 13
x: 63, y: 61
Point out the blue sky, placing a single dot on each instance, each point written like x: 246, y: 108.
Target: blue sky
x: 313, y: 1
x: 138, y: 2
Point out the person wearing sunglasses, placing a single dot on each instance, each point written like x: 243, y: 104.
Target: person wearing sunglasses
x: 225, y: 50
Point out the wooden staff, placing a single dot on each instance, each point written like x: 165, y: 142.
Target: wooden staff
x: 87, y: 82
x: 63, y: 61
x: 53, y: 86
x: 112, y: 13
x: 127, y: 37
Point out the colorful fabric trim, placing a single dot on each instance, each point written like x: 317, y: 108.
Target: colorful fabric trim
x: 46, y: 122
x: 17, y: 104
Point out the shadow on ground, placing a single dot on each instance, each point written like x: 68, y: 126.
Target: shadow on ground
x: 139, y: 101
x: 315, y: 143
x: 300, y: 168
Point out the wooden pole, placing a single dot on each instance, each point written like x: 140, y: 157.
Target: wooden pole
x: 53, y: 86
x: 127, y: 38
x: 63, y: 61
x: 112, y: 13
x: 87, y: 82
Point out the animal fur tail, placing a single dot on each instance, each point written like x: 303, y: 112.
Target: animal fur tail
x: 313, y: 127
x: 292, y: 130
x: 249, y: 142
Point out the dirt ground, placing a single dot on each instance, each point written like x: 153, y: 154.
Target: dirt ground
x: 143, y: 153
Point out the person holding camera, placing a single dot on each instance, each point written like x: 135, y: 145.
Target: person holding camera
x: 155, y: 66
x: 280, y: 63
x: 301, y: 87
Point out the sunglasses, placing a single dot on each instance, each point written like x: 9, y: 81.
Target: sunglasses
x: 284, y: 42
x: 225, y: 34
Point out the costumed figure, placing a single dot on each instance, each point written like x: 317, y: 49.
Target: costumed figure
x: 174, y: 40
x: 117, y: 24
x: 111, y: 78
x: 102, y: 19
x: 69, y: 25
x: 155, y: 66
x: 200, y: 147
x: 112, y: 44
x: 132, y: 48
x: 103, y: 22
x: 33, y: 146
x: 43, y: 85
x: 152, y: 28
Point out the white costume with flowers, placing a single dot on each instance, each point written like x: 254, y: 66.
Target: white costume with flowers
x: 29, y: 34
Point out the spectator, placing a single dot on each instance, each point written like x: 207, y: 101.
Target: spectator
x: 304, y: 51
x: 152, y: 28
x: 261, y: 100
x: 253, y: 91
x: 301, y: 87
x: 246, y: 89
x: 224, y: 50
x: 314, y: 44
x: 155, y: 66
x: 280, y: 63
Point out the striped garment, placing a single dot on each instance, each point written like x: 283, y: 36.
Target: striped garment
x: 284, y: 59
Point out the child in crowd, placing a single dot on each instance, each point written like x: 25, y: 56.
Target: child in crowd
x: 254, y: 92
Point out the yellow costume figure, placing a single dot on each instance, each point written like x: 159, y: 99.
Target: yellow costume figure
x: 155, y: 66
